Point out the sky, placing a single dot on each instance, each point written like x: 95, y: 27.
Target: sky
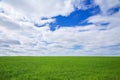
x: 59, y: 28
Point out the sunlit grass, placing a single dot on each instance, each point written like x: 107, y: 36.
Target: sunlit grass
x: 59, y: 68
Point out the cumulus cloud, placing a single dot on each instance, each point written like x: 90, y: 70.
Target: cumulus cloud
x: 107, y: 4
x: 41, y: 8
x: 20, y: 36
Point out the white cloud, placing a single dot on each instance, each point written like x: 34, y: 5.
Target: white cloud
x: 19, y: 36
x: 42, y: 8
x: 80, y: 4
x: 107, y: 4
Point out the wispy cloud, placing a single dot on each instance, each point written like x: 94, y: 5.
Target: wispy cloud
x: 21, y: 32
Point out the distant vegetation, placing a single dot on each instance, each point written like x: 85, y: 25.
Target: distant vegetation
x: 59, y: 68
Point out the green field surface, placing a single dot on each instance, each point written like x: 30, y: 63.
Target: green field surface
x: 59, y: 68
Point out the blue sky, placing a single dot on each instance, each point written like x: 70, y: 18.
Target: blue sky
x: 76, y: 18
x: 69, y: 28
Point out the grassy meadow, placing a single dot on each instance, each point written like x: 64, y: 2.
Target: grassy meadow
x: 59, y: 68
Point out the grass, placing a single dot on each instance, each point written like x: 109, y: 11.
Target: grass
x: 59, y: 68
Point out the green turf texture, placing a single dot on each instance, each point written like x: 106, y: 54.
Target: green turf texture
x: 59, y: 68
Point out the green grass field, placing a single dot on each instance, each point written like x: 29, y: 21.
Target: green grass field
x: 59, y: 68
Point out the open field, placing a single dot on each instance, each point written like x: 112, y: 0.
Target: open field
x: 59, y: 68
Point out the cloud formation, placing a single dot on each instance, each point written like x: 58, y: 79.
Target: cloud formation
x: 21, y: 33
x: 41, y: 8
